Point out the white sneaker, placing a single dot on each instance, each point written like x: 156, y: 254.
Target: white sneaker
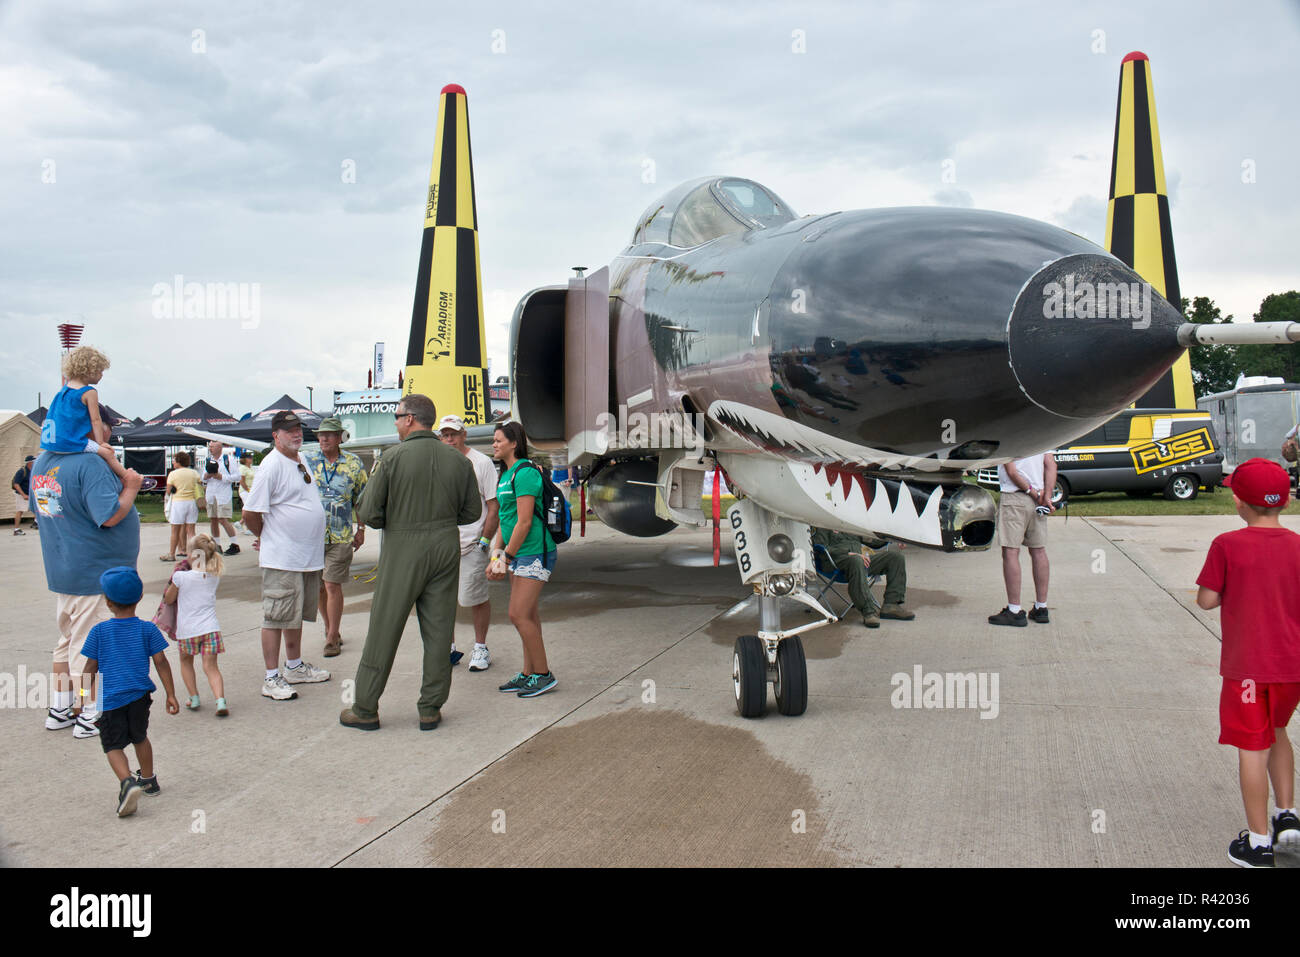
x: 480, y: 659
x: 59, y: 718
x: 305, y: 673
x: 85, y: 726
x: 277, y: 688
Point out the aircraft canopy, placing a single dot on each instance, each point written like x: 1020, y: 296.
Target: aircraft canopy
x: 704, y: 209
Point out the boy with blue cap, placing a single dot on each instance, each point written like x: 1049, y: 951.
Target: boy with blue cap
x: 123, y: 645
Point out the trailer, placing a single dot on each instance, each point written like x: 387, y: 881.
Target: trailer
x: 1253, y: 418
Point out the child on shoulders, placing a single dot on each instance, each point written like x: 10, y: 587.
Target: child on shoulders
x: 72, y: 423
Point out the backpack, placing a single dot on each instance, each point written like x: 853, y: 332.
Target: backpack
x: 557, y: 520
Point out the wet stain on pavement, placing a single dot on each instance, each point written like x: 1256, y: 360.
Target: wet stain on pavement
x: 634, y: 788
x: 581, y: 599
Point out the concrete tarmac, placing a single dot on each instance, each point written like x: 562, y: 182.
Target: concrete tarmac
x: 1099, y: 750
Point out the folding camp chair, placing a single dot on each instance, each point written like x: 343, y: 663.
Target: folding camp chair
x: 830, y: 576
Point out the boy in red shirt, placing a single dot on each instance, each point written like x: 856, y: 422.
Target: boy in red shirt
x: 1252, y: 575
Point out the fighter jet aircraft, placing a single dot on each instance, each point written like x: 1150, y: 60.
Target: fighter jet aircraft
x: 842, y: 370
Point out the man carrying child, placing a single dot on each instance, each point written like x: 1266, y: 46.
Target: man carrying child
x: 88, y: 525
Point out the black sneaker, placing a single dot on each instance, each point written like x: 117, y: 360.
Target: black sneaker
x: 1286, y: 829
x: 1006, y: 617
x: 128, y: 795
x: 1039, y: 615
x: 150, y: 785
x: 232, y: 550
x: 1243, y: 855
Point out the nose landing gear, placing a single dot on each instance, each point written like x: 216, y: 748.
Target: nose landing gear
x: 775, y: 566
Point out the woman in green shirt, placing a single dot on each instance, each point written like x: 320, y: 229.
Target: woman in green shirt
x: 528, y: 553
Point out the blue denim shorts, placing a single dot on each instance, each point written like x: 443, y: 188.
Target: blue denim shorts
x: 534, y: 566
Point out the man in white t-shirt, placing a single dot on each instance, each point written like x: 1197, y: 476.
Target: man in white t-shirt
x: 285, y: 512
x: 1026, y: 486
x: 218, y: 495
x: 474, y: 541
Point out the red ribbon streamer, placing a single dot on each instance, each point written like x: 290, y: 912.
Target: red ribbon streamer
x: 717, y: 514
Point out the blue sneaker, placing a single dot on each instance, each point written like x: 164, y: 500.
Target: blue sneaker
x: 538, y: 684
x: 455, y: 657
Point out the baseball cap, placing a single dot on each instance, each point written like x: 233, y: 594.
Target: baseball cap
x: 121, y: 585
x: 1260, y: 482
x: 452, y: 422
x: 332, y: 424
x: 284, y: 419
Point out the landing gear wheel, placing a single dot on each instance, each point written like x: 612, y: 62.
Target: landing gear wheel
x: 791, y: 685
x: 749, y: 676
x: 1182, y: 488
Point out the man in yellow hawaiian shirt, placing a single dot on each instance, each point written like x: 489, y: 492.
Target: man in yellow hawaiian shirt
x: 340, y: 477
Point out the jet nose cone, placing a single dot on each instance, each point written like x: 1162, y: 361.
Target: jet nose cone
x: 1087, y: 336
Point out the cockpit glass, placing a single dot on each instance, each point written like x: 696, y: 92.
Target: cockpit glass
x: 753, y: 202
x: 703, y: 210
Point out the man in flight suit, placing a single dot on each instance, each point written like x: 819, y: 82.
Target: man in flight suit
x: 420, y: 491
x: 846, y: 554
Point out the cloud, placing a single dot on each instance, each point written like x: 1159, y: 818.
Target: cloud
x: 225, y: 165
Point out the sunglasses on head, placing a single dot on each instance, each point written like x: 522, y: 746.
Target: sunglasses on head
x: 306, y: 476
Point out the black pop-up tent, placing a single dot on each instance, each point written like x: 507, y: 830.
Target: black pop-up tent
x: 162, y: 429
x: 161, y: 417
x: 257, y: 426
x: 118, y: 424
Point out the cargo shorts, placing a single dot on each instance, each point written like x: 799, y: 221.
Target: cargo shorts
x: 289, y: 598
x: 1019, y: 523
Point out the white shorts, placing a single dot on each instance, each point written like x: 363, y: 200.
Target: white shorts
x: 473, y: 578
x: 21, y: 504
x: 183, y: 512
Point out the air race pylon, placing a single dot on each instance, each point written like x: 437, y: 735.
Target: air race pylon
x: 1137, y: 216
x: 446, y: 358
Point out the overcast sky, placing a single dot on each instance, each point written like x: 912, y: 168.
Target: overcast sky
x: 136, y: 151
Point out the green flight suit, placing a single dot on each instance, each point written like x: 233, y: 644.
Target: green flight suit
x: 419, y: 492
x: 846, y: 550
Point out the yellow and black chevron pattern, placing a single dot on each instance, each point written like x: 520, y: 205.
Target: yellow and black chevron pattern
x: 1137, y: 216
x: 446, y: 357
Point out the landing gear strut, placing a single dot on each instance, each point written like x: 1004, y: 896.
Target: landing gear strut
x: 775, y: 566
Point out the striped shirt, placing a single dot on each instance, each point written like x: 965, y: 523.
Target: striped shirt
x: 123, y: 647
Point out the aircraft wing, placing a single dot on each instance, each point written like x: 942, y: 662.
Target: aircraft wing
x: 480, y: 437
x: 253, y: 444
x: 371, y: 442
